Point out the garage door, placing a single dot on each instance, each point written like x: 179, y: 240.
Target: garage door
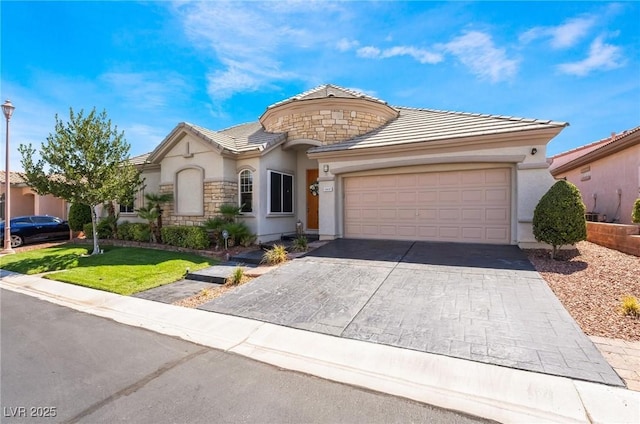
x: 463, y: 206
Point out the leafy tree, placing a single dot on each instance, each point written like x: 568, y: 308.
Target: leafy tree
x: 87, y: 162
x: 558, y: 219
x: 79, y: 215
x: 635, y: 215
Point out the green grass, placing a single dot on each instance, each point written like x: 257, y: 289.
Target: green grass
x: 122, y: 270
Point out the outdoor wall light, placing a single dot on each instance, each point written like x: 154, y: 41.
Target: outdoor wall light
x: 534, y: 151
x: 325, y: 168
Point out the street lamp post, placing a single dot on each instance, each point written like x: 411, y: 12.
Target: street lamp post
x: 7, y: 109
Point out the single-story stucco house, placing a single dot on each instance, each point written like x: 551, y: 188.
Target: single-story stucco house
x: 25, y: 201
x: 607, y: 173
x: 346, y: 164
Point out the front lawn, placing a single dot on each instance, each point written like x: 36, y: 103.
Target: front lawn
x: 122, y: 270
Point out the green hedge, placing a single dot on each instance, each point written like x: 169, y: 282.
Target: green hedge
x: 104, y: 230
x: 182, y: 236
x: 135, y: 231
x: 79, y: 215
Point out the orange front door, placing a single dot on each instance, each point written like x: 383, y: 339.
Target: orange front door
x: 312, y: 201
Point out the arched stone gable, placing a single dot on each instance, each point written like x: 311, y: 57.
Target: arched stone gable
x: 329, y: 120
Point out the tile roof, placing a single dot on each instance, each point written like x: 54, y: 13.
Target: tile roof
x: 579, y: 156
x: 240, y: 138
x: 140, y: 159
x: 14, y: 177
x: 327, y: 90
x: 419, y: 125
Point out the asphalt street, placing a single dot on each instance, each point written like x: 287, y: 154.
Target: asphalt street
x: 61, y: 365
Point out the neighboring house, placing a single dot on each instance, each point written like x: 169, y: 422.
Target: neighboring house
x: 606, y: 172
x: 346, y: 164
x: 25, y: 201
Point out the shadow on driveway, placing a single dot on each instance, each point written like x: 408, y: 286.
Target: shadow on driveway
x: 426, y: 253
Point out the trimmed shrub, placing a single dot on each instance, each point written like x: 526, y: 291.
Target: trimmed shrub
x: 558, y: 219
x: 125, y: 229
x: 140, y: 231
x: 183, y: 236
x: 635, y: 215
x: 79, y: 215
x: 104, y: 230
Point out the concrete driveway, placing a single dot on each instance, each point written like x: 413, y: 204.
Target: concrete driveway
x: 484, y: 303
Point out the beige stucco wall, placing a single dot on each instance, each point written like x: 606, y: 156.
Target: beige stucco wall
x: 530, y: 178
x: 615, y: 182
x: 272, y: 226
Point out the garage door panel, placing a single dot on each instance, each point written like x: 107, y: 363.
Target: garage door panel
x: 499, y: 215
x: 427, y: 197
x: 496, y: 234
x: 472, y: 195
x: 472, y: 233
x: 449, y: 196
x: 474, y: 215
x: 468, y: 205
x: 449, y: 233
x: 496, y: 195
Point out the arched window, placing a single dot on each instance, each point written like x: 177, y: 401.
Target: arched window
x: 246, y: 191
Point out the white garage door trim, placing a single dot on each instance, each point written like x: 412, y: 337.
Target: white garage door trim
x: 472, y: 206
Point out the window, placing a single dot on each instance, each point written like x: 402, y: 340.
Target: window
x: 280, y: 192
x: 127, y: 208
x: 246, y: 191
x: 585, y: 173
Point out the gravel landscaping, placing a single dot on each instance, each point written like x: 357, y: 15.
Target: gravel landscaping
x: 591, y: 281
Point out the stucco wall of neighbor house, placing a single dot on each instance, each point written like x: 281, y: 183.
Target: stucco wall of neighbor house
x: 50, y: 205
x: 22, y: 201
x: 530, y: 177
x: 615, y: 182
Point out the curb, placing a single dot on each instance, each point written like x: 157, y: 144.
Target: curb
x: 489, y: 391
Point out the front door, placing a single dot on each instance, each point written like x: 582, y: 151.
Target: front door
x: 312, y: 200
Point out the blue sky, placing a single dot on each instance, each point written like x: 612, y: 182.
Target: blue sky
x: 152, y: 65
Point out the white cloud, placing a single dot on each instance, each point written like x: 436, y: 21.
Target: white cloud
x: 477, y: 52
x: 421, y: 55
x: 602, y: 56
x: 251, y: 40
x: 344, y: 44
x: 562, y: 36
x: 145, y: 90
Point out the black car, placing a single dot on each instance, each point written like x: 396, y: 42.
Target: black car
x: 35, y: 228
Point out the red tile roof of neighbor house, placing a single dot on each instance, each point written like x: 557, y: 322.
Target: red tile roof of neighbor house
x: 15, y: 178
x: 579, y: 156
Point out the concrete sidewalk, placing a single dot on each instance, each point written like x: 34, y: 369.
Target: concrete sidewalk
x: 494, y: 392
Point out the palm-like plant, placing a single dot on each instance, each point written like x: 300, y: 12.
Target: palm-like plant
x: 151, y: 215
x: 153, y: 212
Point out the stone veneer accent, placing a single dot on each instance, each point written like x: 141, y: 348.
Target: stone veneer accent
x: 328, y: 126
x: 216, y: 193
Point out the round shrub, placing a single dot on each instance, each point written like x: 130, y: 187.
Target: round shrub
x: 558, y: 219
x: 79, y: 215
x: 635, y: 215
